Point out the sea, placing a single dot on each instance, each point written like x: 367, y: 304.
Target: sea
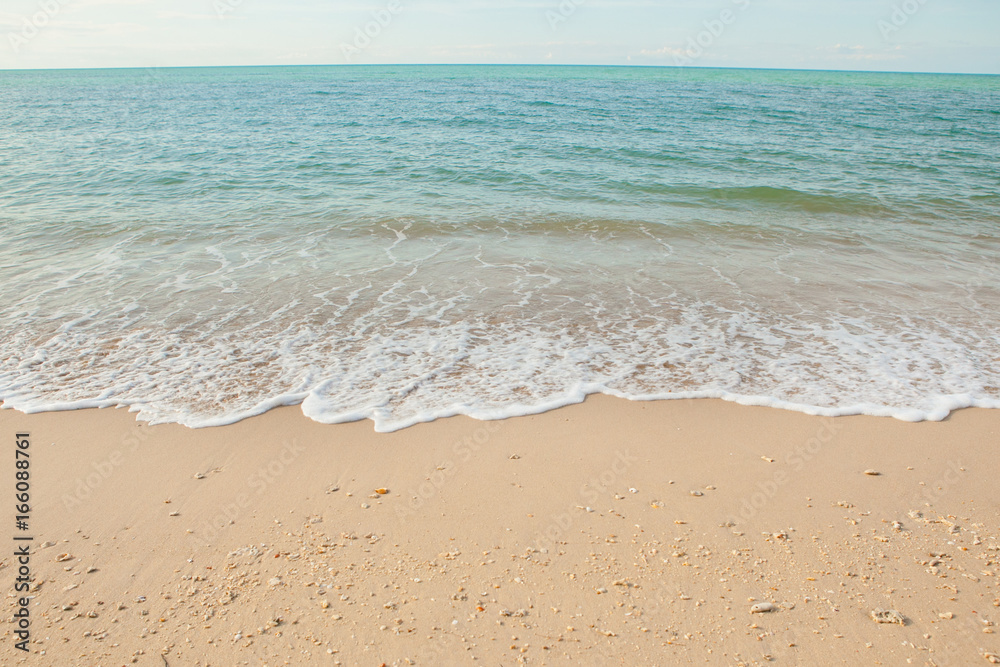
x: 403, y: 244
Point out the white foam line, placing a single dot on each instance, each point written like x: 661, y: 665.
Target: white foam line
x: 383, y: 423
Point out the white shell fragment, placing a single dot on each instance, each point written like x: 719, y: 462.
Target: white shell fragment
x: 763, y: 608
x: 888, y: 616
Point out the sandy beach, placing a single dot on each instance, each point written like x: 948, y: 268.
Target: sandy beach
x: 609, y: 532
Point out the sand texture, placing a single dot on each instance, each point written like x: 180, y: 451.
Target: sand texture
x: 606, y: 533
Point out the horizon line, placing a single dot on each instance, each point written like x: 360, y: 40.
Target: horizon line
x: 628, y: 66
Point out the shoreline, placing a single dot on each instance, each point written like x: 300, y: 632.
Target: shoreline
x: 513, y: 540
x: 944, y: 407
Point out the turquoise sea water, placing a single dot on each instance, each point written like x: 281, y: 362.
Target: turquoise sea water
x: 404, y: 243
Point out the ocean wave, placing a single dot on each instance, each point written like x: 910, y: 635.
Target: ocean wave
x: 402, y: 244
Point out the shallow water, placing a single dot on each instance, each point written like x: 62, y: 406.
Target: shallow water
x: 412, y: 242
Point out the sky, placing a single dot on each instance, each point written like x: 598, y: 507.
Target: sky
x: 886, y: 35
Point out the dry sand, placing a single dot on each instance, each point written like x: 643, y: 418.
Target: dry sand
x: 599, y: 534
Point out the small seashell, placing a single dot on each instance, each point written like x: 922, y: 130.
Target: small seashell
x: 767, y: 458
x: 199, y: 475
x: 888, y: 616
x: 382, y: 491
x: 992, y: 657
x: 873, y: 473
x: 175, y: 514
x: 633, y: 490
x: 62, y: 558
x: 697, y: 493
x: 365, y: 506
x: 763, y: 608
x: 274, y: 581
x: 46, y: 545
x: 514, y: 457
x: 947, y: 615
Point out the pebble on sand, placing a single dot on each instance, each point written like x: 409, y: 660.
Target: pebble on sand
x: 873, y: 473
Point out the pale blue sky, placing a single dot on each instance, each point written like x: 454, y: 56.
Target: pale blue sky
x: 897, y: 35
